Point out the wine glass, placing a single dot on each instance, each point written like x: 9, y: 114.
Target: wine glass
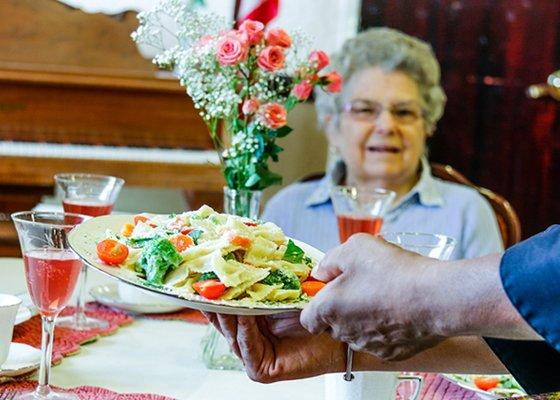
x: 92, y: 195
x: 51, y: 272
x: 360, y: 209
x: 428, y: 245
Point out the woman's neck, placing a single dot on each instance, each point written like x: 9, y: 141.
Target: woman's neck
x: 401, y: 188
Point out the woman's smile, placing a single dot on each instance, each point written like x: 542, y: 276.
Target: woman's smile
x: 384, y: 149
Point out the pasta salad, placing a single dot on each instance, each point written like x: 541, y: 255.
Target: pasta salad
x: 216, y: 256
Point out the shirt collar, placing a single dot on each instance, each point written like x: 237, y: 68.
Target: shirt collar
x: 425, y: 188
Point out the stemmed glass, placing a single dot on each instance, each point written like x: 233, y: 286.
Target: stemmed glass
x: 51, y: 271
x: 360, y: 209
x: 428, y: 245
x: 92, y: 195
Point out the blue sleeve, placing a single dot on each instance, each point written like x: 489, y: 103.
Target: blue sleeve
x: 530, y: 273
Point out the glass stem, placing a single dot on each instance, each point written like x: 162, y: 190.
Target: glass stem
x: 43, y: 388
x: 80, y: 305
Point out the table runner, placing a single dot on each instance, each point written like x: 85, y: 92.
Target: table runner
x: 84, y: 392
x: 68, y: 341
x: 435, y: 387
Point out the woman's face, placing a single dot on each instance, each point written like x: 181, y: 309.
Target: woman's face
x: 381, y: 133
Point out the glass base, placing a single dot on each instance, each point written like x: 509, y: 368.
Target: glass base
x: 81, y: 322
x: 217, y: 354
x: 46, y: 393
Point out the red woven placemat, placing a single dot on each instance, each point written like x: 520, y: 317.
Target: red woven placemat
x: 84, y: 392
x: 68, y: 341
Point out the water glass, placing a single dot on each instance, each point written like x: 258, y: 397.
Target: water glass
x: 92, y: 195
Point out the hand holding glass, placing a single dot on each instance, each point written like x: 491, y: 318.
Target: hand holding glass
x: 92, y: 195
x: 51, y: 271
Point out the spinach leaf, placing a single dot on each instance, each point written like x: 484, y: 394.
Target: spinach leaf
x: 158, y: 257
x: 195, y: 235
x: 293, y: 254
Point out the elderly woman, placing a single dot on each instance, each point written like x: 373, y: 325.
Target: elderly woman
x: 379, y: 123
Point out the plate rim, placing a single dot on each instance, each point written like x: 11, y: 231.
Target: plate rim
x: 190, y: 303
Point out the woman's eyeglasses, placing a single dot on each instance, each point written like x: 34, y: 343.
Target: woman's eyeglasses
x: 369, y: 111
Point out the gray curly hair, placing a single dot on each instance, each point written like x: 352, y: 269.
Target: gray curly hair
x: 390, y: 50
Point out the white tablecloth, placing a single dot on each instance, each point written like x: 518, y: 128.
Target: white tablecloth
x: 153, y: 356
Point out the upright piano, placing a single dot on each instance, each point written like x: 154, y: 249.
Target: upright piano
x: 76, y: 95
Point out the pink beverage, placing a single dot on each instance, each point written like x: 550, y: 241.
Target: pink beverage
x: 90, y: 207
x: 51, y: 277
x: 349, y: 224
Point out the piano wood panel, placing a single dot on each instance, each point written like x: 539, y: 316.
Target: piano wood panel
x: 111, y: 112
x: 50, y: 33
x: 38, y: 171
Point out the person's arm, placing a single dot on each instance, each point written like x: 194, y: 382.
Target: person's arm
x: 471, y: 300
x: 393, y: 304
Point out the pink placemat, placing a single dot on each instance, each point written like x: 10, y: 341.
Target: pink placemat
x: 435, y: 387
x: 84, y: 392
x: 68, y: 341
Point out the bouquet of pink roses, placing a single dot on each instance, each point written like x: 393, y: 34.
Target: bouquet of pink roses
x: 243, y: 82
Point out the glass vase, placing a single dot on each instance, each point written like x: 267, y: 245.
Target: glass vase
x: 216, y: 352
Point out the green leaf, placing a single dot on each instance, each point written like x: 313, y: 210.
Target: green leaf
x: 284, y: 131
x: 291, y: 102
x: 195, y: 235
x: 207, y: 275
x: 293, y: 253
x: 253, y: 180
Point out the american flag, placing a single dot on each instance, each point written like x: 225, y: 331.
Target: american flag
x: 257, y: 10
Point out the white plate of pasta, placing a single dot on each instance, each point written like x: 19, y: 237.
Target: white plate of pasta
x: 203, y: 260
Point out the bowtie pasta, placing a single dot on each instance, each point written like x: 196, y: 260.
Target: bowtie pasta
x: 216, y: 256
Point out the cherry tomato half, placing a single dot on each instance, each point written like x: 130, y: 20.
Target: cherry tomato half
x: 241, y: 241
x: 139, y: 218
x: 112, y: 252
x: 311, y: 288
x: 210, y: 288
x: 181, y: 242
x: 486, y: 382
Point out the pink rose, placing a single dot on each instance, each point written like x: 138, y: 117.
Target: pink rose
x: 250, y: 106
x: 319, y: 59
x: 271, y: 58
x: 232, y: 49
x: 334, y: 82
x: 278, y: 37
x: 302, y: 90
x: 273, y: 115
x: 253, y: 29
